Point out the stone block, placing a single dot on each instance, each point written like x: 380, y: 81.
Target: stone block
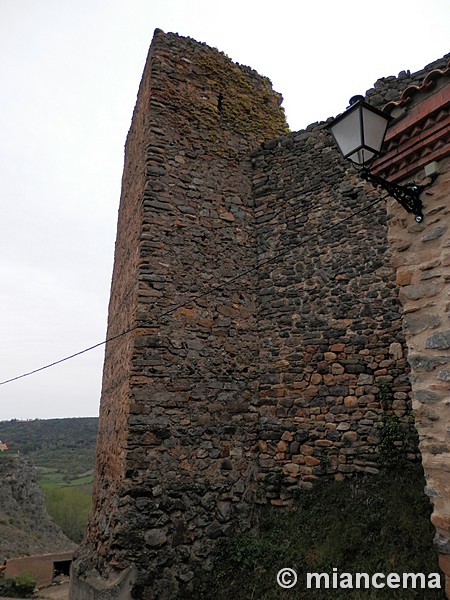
x: 155, y: 538
x: 439, y: 340
x: 350, y: 401
x: 306, y: 449
x: 404, y: 276
x: 444, y: 563
x: 434, y: 234
x: 311, y: 461
x: 441, y: 521
x: 337, y: 369
x: 419, y: 291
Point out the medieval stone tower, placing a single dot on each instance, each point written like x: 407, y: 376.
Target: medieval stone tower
x: 254, y: 318
x: 178, y: 390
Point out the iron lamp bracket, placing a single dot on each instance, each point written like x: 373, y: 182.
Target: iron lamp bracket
x: 407, y: 195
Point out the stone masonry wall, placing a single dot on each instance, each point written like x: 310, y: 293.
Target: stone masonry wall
x: 265, y: 344
x: 115, y: 400
x: 333, y: 357
x: 422, y: 258
x: 178, y: 410
x: 418, y: 137
x: 390, y: 88
x: 329, y: 322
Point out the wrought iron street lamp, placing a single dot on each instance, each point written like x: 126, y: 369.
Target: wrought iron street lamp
x: 359, y: 134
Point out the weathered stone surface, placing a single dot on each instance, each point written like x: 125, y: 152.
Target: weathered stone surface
x: 420, y: 362
x: 175, y: 441
x: 439, y: 340
x: 434, y: 234
x: 417, y: 291
x: 230, y: 391
x: 396, y: 350
x: 425, y: 298
x: 444, y: 374
x: 416, y: 323
x: 442, y: 544
x: 155, y: 538
x: 425, y: 396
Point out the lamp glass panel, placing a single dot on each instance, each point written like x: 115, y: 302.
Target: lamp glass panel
x: 361, y: 156
x: 375, y: 126
x: 347, y: 132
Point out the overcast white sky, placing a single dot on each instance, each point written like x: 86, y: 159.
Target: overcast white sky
x: 69, y: 75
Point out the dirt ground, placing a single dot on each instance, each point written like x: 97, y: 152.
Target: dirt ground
x: 55, y: 592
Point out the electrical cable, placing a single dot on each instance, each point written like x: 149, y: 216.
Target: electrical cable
x: 213, y: 289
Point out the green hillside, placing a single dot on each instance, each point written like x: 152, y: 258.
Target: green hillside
x: 63, y: 452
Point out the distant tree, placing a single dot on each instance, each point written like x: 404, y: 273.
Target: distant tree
x: 69, y: 507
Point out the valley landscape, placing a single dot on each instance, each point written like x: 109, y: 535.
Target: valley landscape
x: 51, y: 460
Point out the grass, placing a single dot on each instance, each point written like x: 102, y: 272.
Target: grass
x: 83, y: 480
x: 68, y: 501
x: 54, y: 478
x: 366, y: 524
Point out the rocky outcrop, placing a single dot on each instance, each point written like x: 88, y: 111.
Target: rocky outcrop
x: 25, y: 526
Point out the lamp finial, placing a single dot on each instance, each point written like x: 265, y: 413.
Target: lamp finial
x: 354, y: 99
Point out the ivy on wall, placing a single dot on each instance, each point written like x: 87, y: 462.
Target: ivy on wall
x: 396, y: 438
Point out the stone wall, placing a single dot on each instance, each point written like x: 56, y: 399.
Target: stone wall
x: 331, y: 341
x: 115, y: 400
x: 265, y: 344
x: 177, y: 425
x: 390, y: 89
x: 422, y: 259
x: 333, y: 359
